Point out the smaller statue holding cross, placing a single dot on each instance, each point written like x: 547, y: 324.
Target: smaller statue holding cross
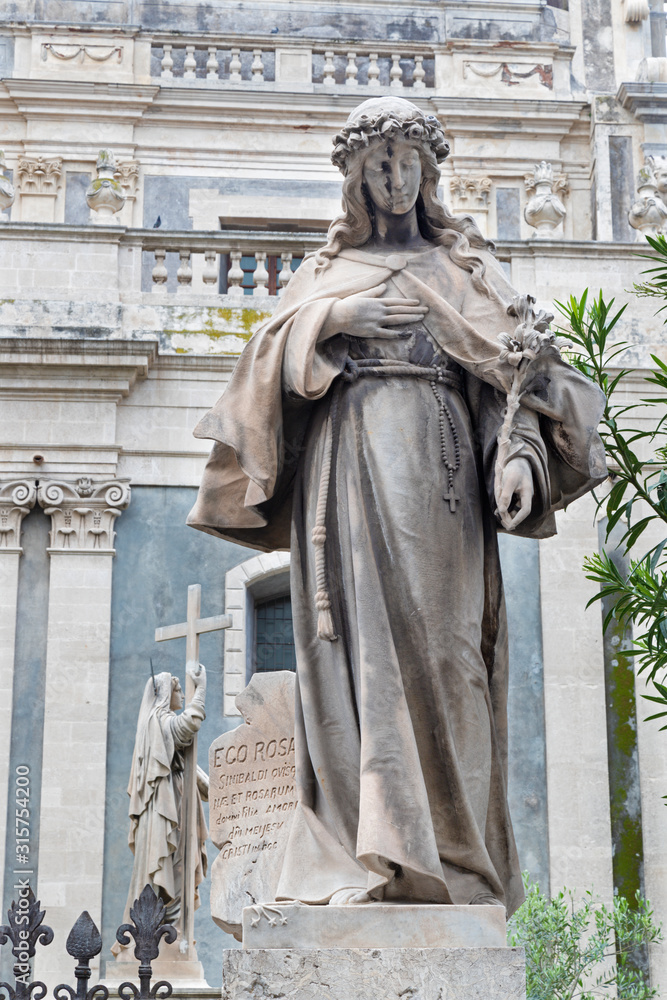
x: 167, y: 824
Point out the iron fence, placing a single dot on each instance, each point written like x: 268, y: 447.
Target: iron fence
x: 26, y: 929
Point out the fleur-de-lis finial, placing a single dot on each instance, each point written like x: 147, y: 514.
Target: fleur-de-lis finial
x: 25, y: 929
x: 148, y: 928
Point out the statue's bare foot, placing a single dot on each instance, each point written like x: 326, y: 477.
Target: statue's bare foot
x: 349, y: 897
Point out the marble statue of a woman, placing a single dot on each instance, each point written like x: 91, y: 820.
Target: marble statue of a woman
x: 364, y: 421
x: 156, y: 794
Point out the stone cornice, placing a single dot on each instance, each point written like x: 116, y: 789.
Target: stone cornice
x: 510, y: 249
x: 59, y: 369
x: 123, y: 103
x: 646, y: 101
x: 182, y: 106
x: 520, y: 46
x: 69, y: 30
x: 61, y: 232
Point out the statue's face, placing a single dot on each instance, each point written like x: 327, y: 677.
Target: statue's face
x: 392, y: 174
x: 177, y: 696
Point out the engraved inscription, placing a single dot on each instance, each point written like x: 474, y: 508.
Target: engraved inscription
x: 252, y: 798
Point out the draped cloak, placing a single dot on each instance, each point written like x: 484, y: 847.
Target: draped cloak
x: 401, y: 723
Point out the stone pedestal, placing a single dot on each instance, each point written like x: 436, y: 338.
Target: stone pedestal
x: 370, y: 973
x: 378, y: 925
x: 184, y: 976
x: 392, y: 951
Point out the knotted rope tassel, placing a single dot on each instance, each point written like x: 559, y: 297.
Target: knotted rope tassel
x: 325, y: 625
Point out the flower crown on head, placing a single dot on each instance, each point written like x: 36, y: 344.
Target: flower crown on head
x: 367, y: 129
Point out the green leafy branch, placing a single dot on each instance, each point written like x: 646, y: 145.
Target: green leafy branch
x: 579, y: 951
x: 638, y: 484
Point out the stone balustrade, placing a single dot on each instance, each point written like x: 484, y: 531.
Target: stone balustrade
x: 375, y: 68
x: 224, y: 63
x: 236, y: 264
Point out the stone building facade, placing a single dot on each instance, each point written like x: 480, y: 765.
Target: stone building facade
x: 129, y: 284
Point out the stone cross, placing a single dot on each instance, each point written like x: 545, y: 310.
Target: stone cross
x: 190, y: 630
x: 452, y: 497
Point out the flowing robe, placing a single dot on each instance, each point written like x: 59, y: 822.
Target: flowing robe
x: 401, y: 723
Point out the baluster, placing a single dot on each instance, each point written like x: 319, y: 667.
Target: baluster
x: 257, y: 67
x: 419, y: 74
x: 396, y: 73
x: 235, y: 274
x: 285, y: 275
x: 373, y: 70
x: 235, y: 67
x: 351, y: 70
x: 261, y: 275
x: 160, y: 273
x: 184, y: 273
x: 329, y: 77
x: 212, y: 66
x: 210, y: 272
x: 167, y: 63
x: 190, y: 64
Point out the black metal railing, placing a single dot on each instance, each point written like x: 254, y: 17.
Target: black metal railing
x: 26, y: 929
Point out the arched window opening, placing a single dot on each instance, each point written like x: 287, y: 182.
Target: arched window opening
x: 274, y: 636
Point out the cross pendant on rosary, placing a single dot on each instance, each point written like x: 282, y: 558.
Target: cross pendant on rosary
x: 452, y: 497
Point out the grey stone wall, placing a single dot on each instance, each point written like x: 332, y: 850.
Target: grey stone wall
x: 527, y: 744
x: 28, y: 700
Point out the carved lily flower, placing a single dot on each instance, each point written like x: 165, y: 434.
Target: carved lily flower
x: 531, y: 337
x: 511, y: 350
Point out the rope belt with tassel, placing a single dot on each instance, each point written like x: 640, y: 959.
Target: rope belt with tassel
x: 378, y: 368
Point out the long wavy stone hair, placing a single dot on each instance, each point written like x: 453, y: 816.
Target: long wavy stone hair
x: 379, y: 120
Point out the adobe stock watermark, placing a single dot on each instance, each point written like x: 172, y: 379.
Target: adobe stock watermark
x: 22, y: 821
x: 22, y: 867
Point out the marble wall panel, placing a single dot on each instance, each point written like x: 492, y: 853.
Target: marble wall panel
x: 6, y: 56
x: 598, y: 43
x: 508, y: 213
x: 622, y: 185
x: 527, y: 750
x: 28, y: 698
x: 77, y: 212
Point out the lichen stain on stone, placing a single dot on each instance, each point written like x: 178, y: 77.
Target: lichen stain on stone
x: 215, y: 323
x: 624, y: 791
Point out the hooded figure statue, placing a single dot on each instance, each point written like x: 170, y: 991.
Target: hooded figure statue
x: 400, y: 407
x: 156, y: 793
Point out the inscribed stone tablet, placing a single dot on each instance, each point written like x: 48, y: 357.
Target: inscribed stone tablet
x: 252, y: 798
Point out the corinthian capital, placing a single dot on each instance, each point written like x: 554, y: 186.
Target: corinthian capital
x: 83, y: 513
x: 17, y: 498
